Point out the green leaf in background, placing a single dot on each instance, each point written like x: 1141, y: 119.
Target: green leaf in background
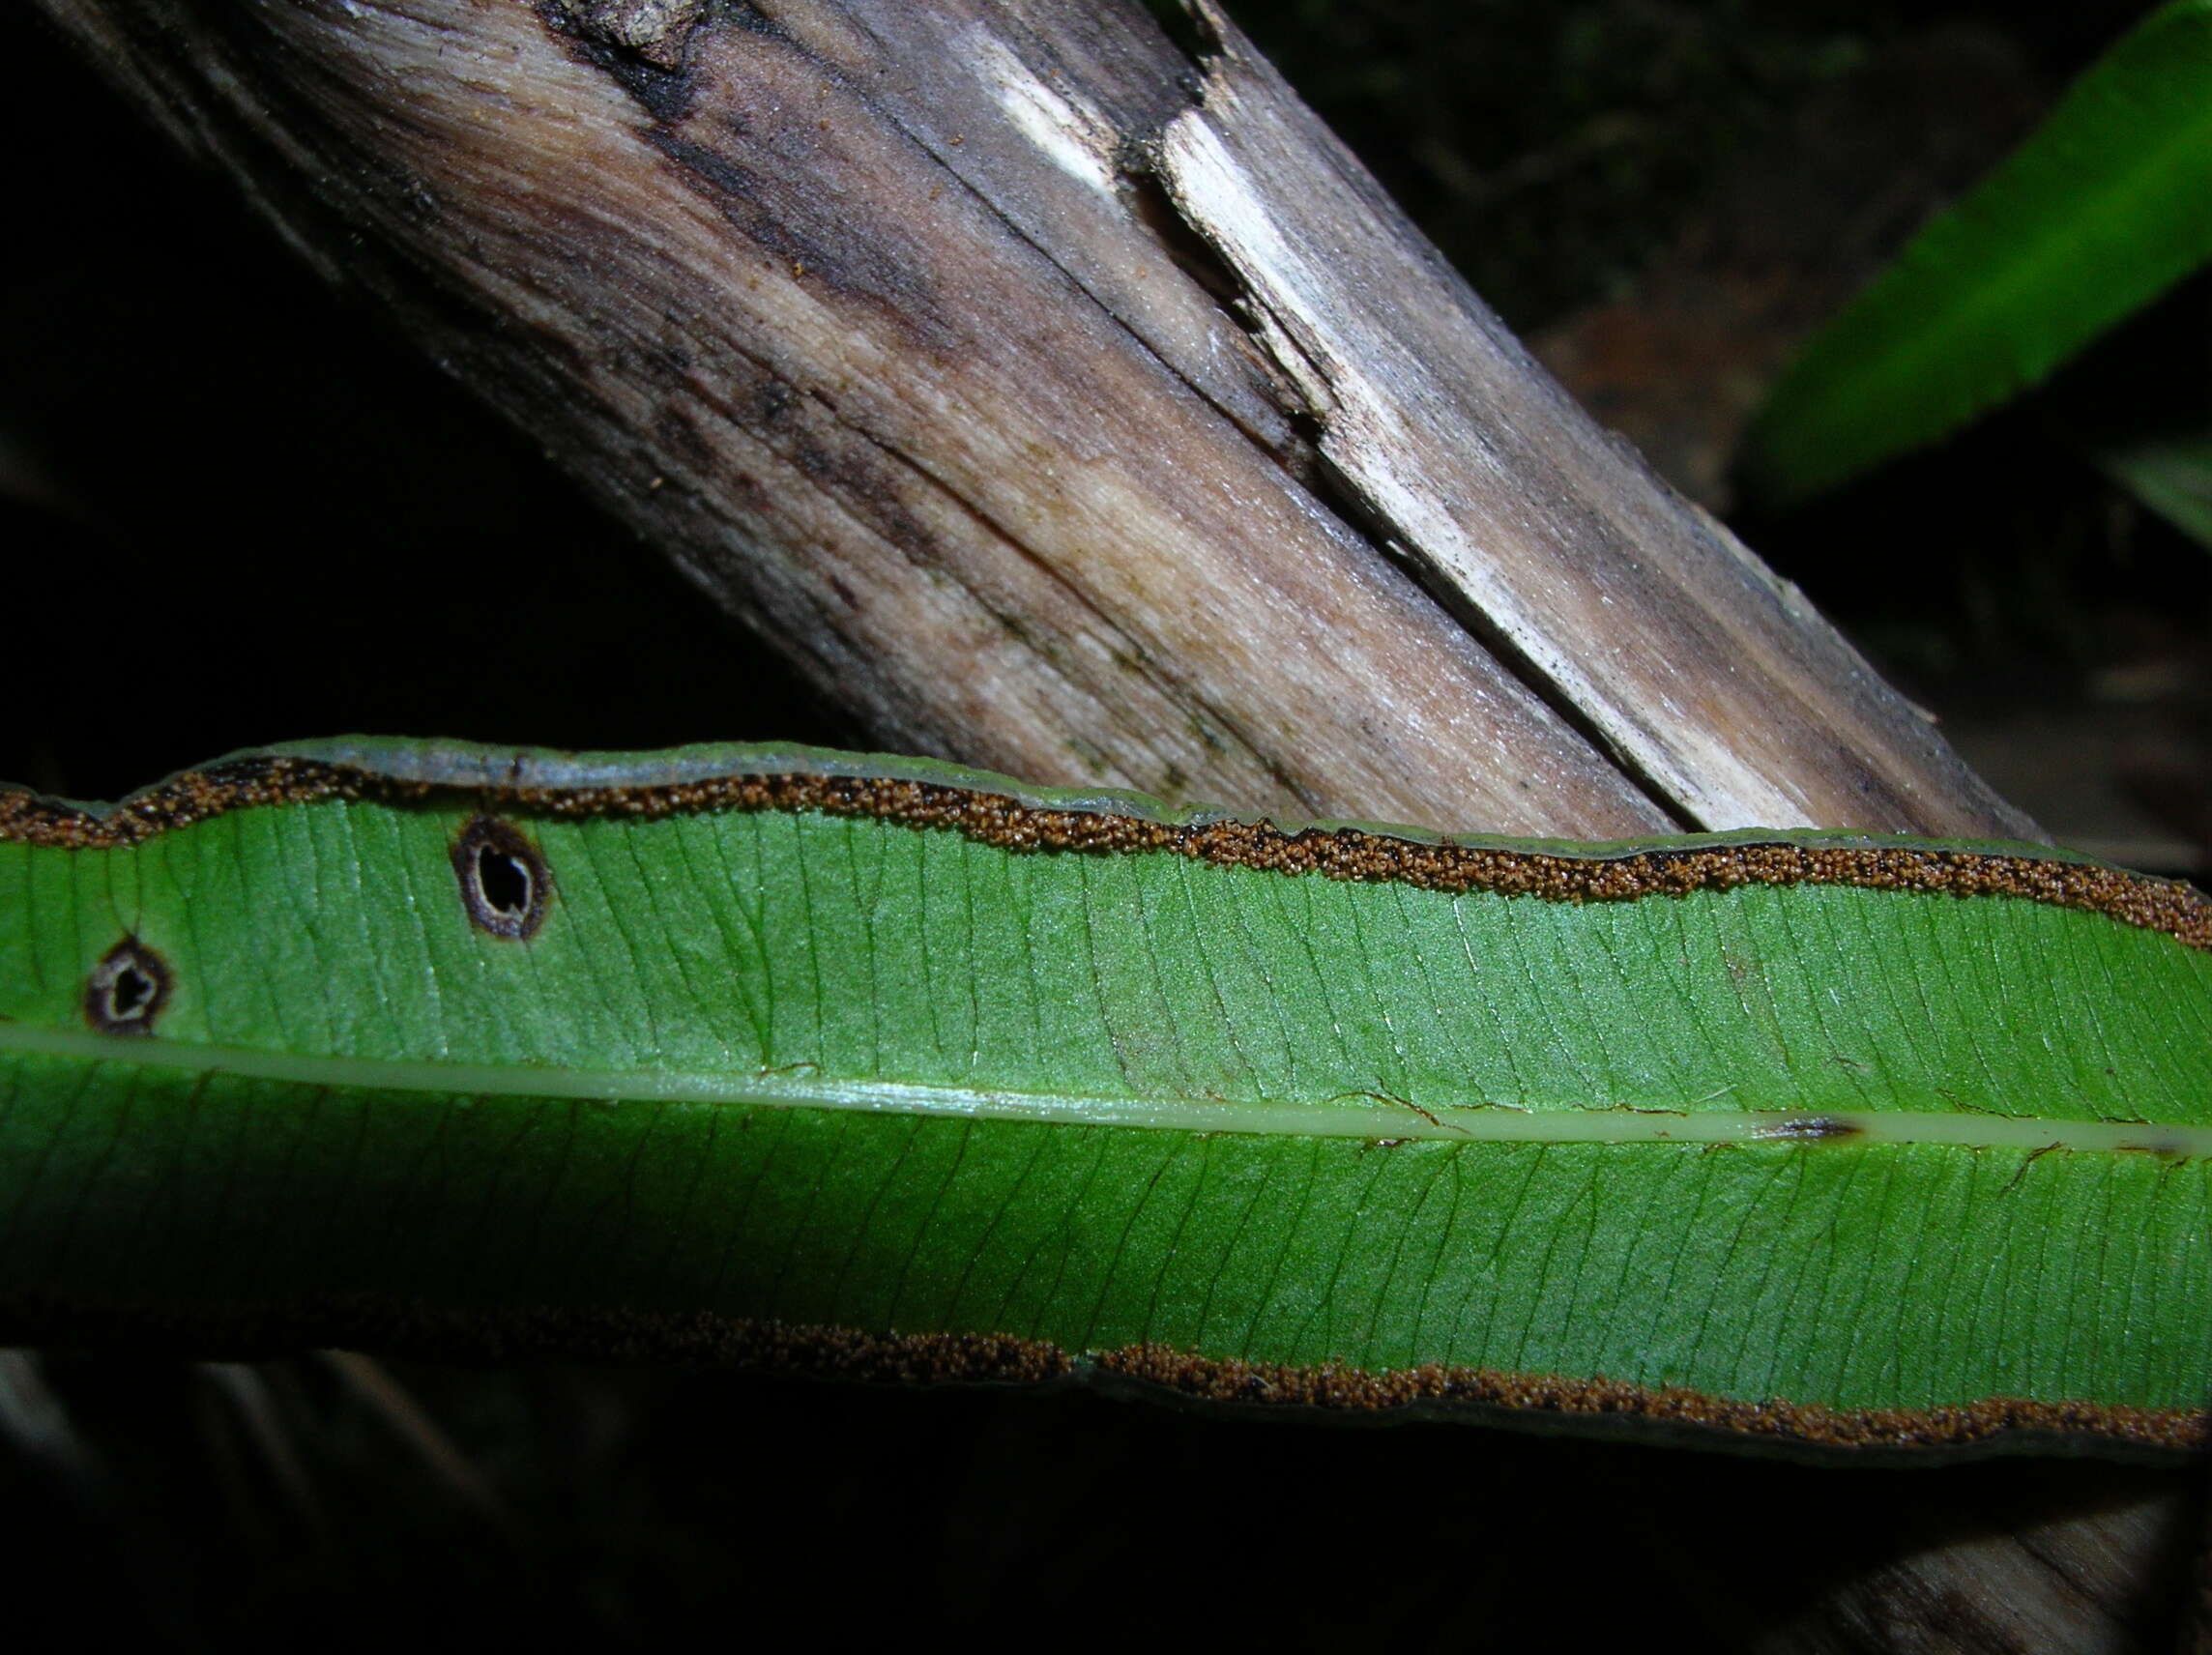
x: 2172, y: 475
x: 875, y: 1066
x: 2105, y: 206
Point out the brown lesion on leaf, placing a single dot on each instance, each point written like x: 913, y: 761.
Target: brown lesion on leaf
x: 128, y: 990
x: 504, y: 880
x: 1352, y: 854
x: 1808, y: 1129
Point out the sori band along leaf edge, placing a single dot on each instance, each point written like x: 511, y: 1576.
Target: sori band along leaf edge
x: 848, y: 1063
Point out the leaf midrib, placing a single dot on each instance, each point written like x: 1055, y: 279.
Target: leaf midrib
x: 1360, y: 1114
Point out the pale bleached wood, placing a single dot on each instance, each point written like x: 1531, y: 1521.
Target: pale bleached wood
x: 1708, y: 676
x: 1063, y: 399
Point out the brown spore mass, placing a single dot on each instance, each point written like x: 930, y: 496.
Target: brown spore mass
x: 458, y: 1333
x: 1344, y: 1388
x: 1352, y: 854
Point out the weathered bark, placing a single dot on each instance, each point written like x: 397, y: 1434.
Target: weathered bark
x: 2095, y: 1563
x: 1066, y: 400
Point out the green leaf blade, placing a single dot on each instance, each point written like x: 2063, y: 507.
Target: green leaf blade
x: 2169, y: 472
x: 818, y: 1082
x: 2101, y: 209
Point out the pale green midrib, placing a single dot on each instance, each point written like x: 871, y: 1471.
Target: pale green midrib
x: 1354, y: 1115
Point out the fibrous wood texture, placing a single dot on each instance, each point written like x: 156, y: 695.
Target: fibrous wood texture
x: 1061, y: 394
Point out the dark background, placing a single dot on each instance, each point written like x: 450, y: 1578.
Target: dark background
x: 233, y: 510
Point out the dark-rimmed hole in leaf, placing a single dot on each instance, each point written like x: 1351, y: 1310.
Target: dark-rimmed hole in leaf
x: 127, y: 990
x: 504, y: 882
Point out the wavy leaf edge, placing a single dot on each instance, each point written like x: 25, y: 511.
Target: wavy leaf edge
x: 536, y: 782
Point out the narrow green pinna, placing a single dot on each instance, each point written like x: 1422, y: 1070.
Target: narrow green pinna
x: 2103, y: 208
x: 874, y: 1066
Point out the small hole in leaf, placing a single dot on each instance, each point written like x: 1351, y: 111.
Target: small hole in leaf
x: 127, y: 990
x: 132, y: 992
x: 504, y: 880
